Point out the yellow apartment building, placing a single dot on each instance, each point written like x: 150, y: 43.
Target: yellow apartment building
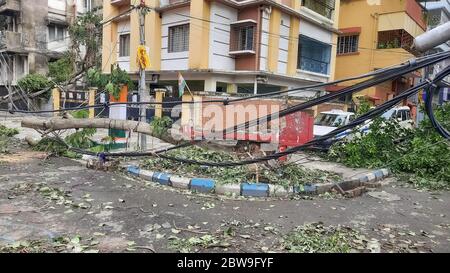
x: 227, y: 46
x: 377, y: 34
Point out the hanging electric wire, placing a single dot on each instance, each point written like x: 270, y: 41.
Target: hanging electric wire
x: 398, y: 70
x: 360, y: 120
x: 429, y: 103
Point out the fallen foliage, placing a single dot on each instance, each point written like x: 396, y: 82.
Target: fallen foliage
x: 286, y: 175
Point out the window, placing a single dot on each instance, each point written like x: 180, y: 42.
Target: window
x: 242, y: 37
x: 323, y: 7
x: 348, y: 44
x: 56, y: 32
x: 313, y: 56
x: 245, y: 38
x: 179, y: 38
x: 330, y: 120
x: 124, y: 45
x: 403, y: 115
x: 87, y: 5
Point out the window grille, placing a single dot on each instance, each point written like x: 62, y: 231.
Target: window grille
x: 179, y: 38
x: 243, y: 38
x: 348, y: 44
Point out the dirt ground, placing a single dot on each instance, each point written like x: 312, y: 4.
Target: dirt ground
x: 47, y: 198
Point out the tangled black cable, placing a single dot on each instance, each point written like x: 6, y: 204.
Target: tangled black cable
x: 369, y: 115
x: 360, y: 120
x: 387, y: 75
x: 429, y: 103
x: 379, y: 78
x: 399, y: 70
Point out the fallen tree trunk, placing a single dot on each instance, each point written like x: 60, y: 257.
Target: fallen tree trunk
x: 55, y: 124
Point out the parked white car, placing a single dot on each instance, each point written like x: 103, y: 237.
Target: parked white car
x: 402, y: 114
x: 327, y: 122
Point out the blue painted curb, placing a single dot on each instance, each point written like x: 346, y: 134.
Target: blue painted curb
x: 379, y: 174
x: 134, y: 170
x: 206, y: 185
x: 162, y: 178
x: 255, y: 190
x: 203, y: 185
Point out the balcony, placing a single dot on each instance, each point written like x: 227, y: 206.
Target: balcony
x: 119, y: 3
x: 395, y: 39
x: 243, y: 37
x: 322, y: 7
x: 10, y: 41
x: 9, y: 7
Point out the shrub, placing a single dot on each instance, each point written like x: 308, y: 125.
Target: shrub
x: 160, y: 126
x: 61, y: 70
x: 421, y: 155
x: 34, y: 82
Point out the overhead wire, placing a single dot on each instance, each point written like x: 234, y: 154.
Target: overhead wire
x: 371, y: 114
x: 386, y: 71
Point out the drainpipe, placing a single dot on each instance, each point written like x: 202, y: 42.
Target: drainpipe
x: 374, y: 39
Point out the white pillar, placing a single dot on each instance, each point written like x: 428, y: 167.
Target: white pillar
x: 210, y: 85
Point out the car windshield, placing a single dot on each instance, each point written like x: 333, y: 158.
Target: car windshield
x: 330, y: 120
x: 389, y: 114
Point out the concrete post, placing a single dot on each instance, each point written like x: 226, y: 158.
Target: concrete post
x: 210, y: 85
x: 159, y: 96
x: 186, y: 113
x: 92, y: 102
x: 56, y: 95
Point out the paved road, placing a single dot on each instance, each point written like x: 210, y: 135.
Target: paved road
x: 120, y: 211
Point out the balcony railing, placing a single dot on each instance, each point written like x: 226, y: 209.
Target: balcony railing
x: 312, y: 65
x: 243, y: 38
x: 10, y: 40
x: 9, y: 6
x: 322, y: 7
x: 395, y: 39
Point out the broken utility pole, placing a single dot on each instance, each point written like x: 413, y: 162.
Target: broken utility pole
x: 142, y: 90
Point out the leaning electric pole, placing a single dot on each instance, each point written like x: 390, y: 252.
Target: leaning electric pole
x: 142, y: 139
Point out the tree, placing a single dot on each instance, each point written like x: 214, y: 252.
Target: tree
x: 86, y: 31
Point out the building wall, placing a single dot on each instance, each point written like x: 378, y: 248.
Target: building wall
x: 276, y: 50
x: 264, y: 45
x: 123, y: 27
x: 34, y: 33
x: 175, y: 60
x: 250, y: 62
x: 200, y: 12
x: 386, y: 15
x: 283, y: 52
x: 220, y: 37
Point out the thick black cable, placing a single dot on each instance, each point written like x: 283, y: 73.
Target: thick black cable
x: 369, y: 115
x: 429, y: 103
x: 346, y: 91
x: 397, y: 70
x: 355, y: 123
